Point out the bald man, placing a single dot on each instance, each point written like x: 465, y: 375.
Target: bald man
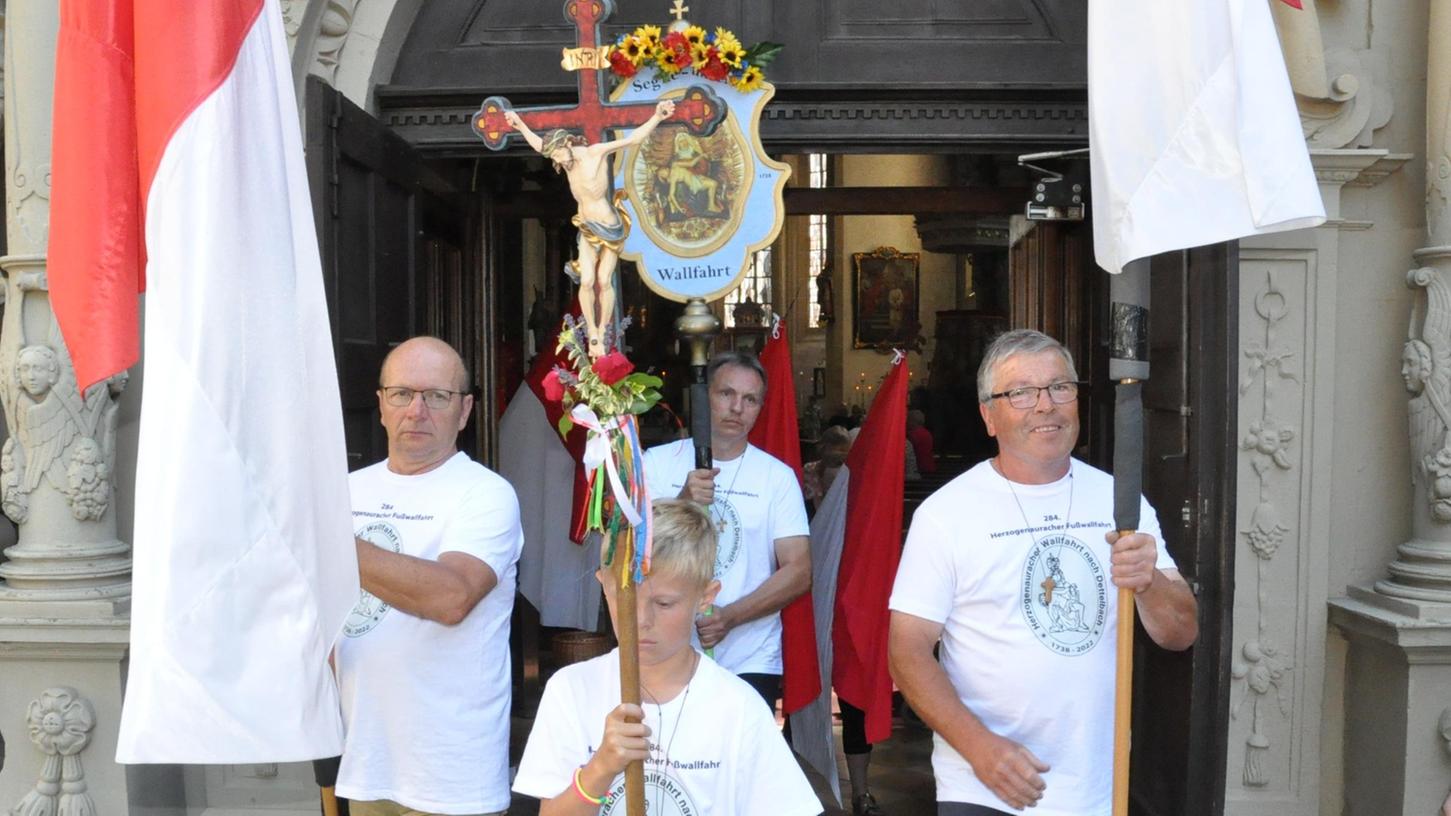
x: 424, y: 662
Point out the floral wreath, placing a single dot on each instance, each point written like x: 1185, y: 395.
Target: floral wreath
x: 604, y: 396
x: 715, y: 55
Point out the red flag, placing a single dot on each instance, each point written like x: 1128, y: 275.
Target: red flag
x: 869, y: 556
x: 776, y: 432
x: 122, y: 88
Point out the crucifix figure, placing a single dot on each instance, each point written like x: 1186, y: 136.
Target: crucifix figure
x: 577, y: 134
x: 602, y: 221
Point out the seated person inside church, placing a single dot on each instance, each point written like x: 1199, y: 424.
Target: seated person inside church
x: 708, y: 741
x: 819, y: 475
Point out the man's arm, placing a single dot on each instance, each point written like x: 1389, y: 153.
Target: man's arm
x: 1169, y: 611
x: 1008, y: 769
x: 1164, y: 601
x: 639, y: 134
x: 791, y: 579
x: 444, y: 591
x: 529, y: 135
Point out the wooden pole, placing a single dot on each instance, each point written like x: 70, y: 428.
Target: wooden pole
x: 629, y: 636
x: 1123, y: 699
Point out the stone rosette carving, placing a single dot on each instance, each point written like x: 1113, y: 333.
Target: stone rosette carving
x: 60, y: 723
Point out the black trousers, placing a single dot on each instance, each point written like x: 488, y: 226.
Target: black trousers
x: 853, y: 729
x: 766, y: 685
x: 964, y: 809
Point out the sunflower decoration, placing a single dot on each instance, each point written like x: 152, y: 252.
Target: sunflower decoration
x: 729, y: 48
x: 700, y: 54
x: 715, y: 55
x: 632, y: 48
x: 748, y: 78
x: 649, y: 37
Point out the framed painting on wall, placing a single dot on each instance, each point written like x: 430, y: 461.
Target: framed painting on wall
x: 884, y: 306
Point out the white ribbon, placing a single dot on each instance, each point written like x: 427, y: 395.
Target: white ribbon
x: 775, y: 326
x: 597, y: 451
x: 898, y: 356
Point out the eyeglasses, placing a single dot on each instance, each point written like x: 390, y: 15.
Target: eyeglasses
x: 435, y: 398
x: 1027, y: 396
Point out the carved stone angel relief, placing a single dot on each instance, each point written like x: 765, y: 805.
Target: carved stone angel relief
x: 57, y: 436
x: 1426, y: 369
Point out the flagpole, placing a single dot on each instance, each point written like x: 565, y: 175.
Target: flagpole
x: 629, y: 636
x: 1129, y: 365
x: 698, y: 327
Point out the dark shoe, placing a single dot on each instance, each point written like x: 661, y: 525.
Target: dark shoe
x: 865, y: 805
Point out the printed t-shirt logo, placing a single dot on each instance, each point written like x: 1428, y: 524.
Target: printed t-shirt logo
x: 1064, y: 595
x: 663, y: 795
x: 369, y: 610
x: 728, y: 534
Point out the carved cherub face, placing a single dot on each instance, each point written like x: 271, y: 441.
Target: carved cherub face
x: 38, y: 370
x: 1414, y: 366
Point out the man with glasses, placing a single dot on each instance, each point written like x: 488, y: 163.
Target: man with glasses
x: 423, y: 666
x: 1013, y: 567
x: 763, y: 554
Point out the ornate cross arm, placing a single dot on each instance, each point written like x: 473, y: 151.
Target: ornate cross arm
x: 700, y: 110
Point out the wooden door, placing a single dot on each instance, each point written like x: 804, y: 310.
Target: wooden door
x: 1054, y: 287
x: 1181, y: 699
x: 396, y: 254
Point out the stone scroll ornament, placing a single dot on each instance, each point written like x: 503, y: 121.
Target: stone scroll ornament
x: 60, y: 722
x: 1426, y: 370
x: 573, y: 138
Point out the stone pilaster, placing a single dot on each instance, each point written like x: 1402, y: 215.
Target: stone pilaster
x: 65, y: 584
x: 1289, y: 287
x: 57, y: 465
x: 1398, y: 661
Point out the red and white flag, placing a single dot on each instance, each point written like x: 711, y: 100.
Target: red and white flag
x: 778, y: 432
x: 176, y: 125
x: 1193, y: 130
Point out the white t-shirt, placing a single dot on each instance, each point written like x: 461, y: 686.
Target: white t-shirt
x: 1030, y: 612
x: 718, y: 751
x: 757, y: 501
x: 426, y: 706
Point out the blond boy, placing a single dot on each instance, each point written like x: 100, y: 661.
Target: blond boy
x: 708, y: 742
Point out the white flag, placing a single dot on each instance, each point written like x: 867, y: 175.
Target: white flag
x: 1194, y: 135
x: 245, y: 565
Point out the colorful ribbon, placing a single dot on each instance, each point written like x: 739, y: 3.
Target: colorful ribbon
x: 613, y: 445
x: 598, y: 451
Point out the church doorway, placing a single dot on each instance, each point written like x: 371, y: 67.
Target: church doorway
x: 423, y: 231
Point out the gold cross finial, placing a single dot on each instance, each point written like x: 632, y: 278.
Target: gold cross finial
x: 679, y: 10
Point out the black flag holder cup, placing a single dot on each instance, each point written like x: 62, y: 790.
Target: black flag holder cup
x: 1129, y: 366
x: 698, y: 327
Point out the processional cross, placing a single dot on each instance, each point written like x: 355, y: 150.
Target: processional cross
x: 602, y: 226
x: 601, y: 223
